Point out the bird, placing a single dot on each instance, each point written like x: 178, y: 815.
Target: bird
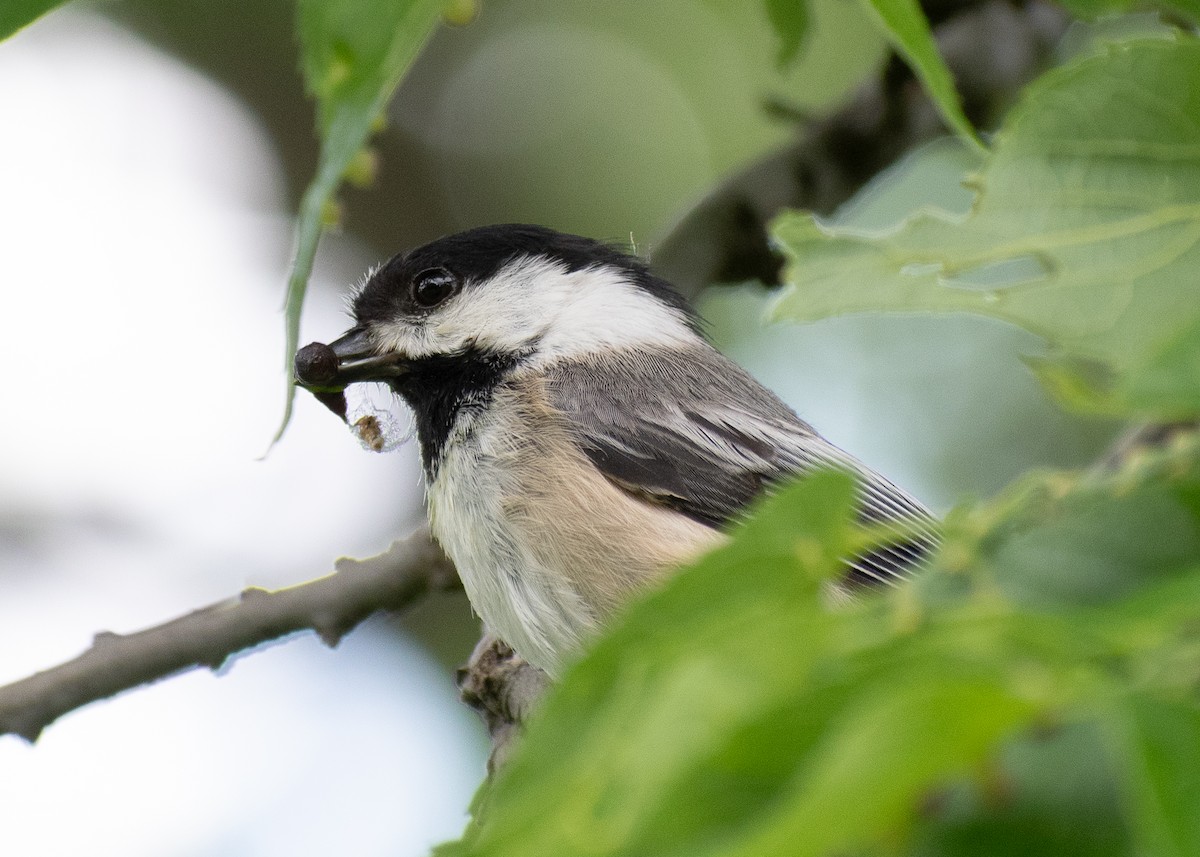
x: 580, y: 436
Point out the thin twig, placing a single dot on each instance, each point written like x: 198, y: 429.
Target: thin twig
x: 208, y: 637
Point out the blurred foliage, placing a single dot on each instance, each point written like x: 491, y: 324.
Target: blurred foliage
x: 606, y: 124
x: 1039, y: 687
x: 790, y: 20
x: 1085, y: 230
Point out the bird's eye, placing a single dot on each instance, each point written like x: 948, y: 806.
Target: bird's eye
x: 433, y: 286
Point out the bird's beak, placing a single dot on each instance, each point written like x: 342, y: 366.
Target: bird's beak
x: 326, y: 370
x: 345, y: 361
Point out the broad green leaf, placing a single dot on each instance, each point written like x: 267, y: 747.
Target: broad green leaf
x: 691, y: 675
x: 1159, y: 740
x: 1096, y: 544
x: 1127, y: 542
x: 354, y: 54
x: 790, y: 20
x: 734, y: 713
x: 1099, y: 540
x: 877, y: 760
x: 1100, y: 572
x: 15, y: 14
x: 907, y: 29
x: 1085, y: 230
x: 1051, y: 792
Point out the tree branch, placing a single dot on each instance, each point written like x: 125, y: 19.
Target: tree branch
x: 208, y: 637
x: 503, y: 688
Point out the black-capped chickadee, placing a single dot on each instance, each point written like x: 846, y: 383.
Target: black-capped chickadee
x: 579, y: 435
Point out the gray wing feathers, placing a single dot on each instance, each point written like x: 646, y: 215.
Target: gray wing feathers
x: 700, y: 435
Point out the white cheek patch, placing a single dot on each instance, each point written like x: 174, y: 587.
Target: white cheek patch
x: 538, y: 303
x: 601, y: 309
x: 566, y: 313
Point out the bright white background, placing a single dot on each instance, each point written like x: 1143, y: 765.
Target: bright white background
x: 144, y: 243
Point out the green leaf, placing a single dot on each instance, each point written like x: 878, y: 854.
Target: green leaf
x: 1116, y: 557
x: 1085, y: 230
x: 354, y: 54
x: 688, y: 681
x: 1052, y: 792
x: 1099, y: 540
x: 790, y: 20
x: 1097, y: 544
x: 733, y: 713
x: 1159, y: 740
x: 870, y: 771
x: 16, y: 14
x: 906, y: 27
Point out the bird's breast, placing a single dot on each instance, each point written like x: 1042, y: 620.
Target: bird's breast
x: 546, y: 546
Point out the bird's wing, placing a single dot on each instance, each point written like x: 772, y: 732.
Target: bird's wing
x: 703, y: 437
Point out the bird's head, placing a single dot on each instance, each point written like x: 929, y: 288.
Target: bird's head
x: 511, y: 293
